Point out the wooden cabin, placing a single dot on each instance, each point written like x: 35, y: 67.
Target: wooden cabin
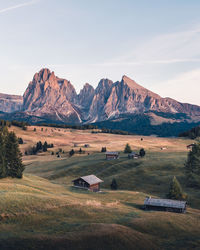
x: 112, y: 155
x: 165, y: 205
x: 89, y: 182
x: 133, y: 155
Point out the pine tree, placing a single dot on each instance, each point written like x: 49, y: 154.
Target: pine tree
x: 192, y: 166
x: 127, y: 149
x: 71, y: 152
x: 114, y: 185
x: 103, y: 149
x: 175, y: 190
x: 142, y: 152
x: 13, y: 155
x: 3, y: 162
x: 45, y: 147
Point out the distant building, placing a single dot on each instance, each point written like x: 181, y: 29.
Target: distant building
x: 165, y: 205
x: 89, y: 182
x: 112, y: 155
x: 133, y: 155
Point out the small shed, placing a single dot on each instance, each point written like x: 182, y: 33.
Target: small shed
x: 165, y: 205
x: 89, y: 182
x: 133, y: 155
x: 112, y: 155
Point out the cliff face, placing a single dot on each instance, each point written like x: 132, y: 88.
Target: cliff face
x: 53, y: 98
x: 10, y: 103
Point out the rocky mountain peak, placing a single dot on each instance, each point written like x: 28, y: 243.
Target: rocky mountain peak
x: 131, y: 83
x: 56, y: 99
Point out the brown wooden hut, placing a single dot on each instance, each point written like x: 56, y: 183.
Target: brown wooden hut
x: 89, y: 182
x: 165, y: 205
x: 112, y: 155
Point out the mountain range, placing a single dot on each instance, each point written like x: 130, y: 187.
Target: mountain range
x: 49, y: 98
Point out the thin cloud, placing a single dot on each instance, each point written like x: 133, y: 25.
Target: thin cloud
x: 170, y: 48
x: 18, y: 6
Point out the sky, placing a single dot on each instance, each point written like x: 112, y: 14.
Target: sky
x: 156, y: 43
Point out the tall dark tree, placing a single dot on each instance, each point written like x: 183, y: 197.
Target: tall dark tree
x: 114, y: 185
x: 142, y: 152
x: 175, y: 190
x: 127, y: 149
x: 39, y: 146
x: 45, y: 147
x: 3, y: 161
x: 192, y: 166
x: 71, y: 152
x: 13, y: 155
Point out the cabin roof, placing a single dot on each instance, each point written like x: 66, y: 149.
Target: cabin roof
x: 112, y: 153
x: 164, y: 203
x: 90, y: 179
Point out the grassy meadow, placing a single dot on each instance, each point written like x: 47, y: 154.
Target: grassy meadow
x: 44, y: 211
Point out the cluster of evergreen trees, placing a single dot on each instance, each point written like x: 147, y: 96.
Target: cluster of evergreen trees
x: 39, y: 147
x: 192, y: 133
x: 10, y: 155
x: 22, y: 125
x: 128, y: 150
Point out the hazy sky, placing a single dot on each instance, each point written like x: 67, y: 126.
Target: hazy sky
x: 155, y: 42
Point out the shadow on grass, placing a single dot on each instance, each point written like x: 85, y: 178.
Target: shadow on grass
x: 135, y: 205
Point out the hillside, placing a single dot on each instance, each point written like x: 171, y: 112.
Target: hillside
x: 37, y: 214
x: 44, y: 211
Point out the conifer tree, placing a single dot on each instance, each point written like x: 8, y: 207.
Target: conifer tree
x: 71, y: 152
x: 45, y: 147
x: 114, y: 185
x: 13, y: 156
x: 175, y: 190
x: 192, y: 166
x: 127, y: 149
x: 2, y: 155
x: 142, y: 152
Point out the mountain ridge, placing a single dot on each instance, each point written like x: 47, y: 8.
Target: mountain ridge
x: 52, y: 98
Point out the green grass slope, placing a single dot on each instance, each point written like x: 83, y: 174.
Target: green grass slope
x: 151, y: 174
x: 38, y: 214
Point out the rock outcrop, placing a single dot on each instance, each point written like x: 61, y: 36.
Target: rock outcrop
x: 10, y: 103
